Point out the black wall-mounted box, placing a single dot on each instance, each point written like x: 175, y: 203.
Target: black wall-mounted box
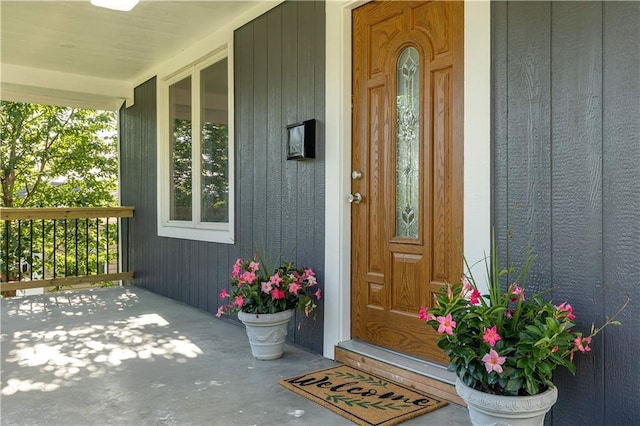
x: 301, y: 140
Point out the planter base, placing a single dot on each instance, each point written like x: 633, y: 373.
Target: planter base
x: 486, y: 409
x: 267, y: 333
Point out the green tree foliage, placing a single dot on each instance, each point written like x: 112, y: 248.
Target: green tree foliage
x: 41, y: 144
x: 214, y: 178
x: 181, y: 170
x: 215, y: 172
x: 56, y: 157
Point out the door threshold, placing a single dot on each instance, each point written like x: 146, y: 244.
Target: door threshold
x: 410, y: 371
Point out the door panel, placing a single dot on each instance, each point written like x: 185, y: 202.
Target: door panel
x: 407, y: 142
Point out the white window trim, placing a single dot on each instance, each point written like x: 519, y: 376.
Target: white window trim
x: 195, y: 229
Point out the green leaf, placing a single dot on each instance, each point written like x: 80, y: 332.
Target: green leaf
x: 513, y: 386
x: 468, y: 380
x: 503, y: 382
x: 552, y: 324
x: 533, y: 330
x: 545, y: 341
x: 545, y: 367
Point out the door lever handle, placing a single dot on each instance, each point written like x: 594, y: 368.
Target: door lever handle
x: 355, y: 198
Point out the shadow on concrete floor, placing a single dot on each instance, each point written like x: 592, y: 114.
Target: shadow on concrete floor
x: 126, y: 356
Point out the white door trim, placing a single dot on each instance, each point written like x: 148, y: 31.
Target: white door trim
x: 477, y: 167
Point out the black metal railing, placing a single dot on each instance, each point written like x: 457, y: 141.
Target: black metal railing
x: 43, y: 247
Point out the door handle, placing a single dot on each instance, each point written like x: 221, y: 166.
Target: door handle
x: 355, y: 198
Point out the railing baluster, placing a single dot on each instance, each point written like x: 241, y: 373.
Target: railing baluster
x: 76, y: 225
x: 19, y: 250
x: 97, y: 245
x: 86, y: 238
x: 43, y: 252
x: 118, y: 244
x: 66, y: 264
x: 31, y: 249
x: 107, y: 247
x: 126, y: 240
x: 54, y: 249
x: 7, y: 226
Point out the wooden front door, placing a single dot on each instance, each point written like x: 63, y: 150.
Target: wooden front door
x: 408, y: 168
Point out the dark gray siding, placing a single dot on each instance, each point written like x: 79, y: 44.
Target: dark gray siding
x: 279, y: 79
x: 566, y: 173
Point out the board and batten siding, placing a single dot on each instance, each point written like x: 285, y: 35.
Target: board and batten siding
x: 566, y: 179
x: 279, y: 80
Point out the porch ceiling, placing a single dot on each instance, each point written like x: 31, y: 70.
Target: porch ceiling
x: 75, y: 54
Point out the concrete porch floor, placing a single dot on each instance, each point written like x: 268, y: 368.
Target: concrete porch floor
x: 126, y: 356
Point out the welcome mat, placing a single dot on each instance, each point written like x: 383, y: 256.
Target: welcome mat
x: 361, y: 397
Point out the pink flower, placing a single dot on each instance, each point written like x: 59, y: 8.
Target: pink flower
x: 474, y: 299
x: 493, y: 362
x: 266, y: 287
x: 277, y: 294
x: 235, y: 273
x: 248, y: 277
x: 294, y: 287
x: 318, y: 293
x: 447, y: 324
x: 308, y: 273
x: 509, y: 313
x: 220, y: 311
x: 491, y: 336
x: 466, y: 285
x: 275, y: 279
x: 582, y: 343
x: 312, y: 281
x: 449, y: 292
x: 423, y: 313
x: 565, y: 310
x: 224, y: 294
x: 254, y: 266
x: 516, y: 292
x: 554, y: 349
x: 239, y: 301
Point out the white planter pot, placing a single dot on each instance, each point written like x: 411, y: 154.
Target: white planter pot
x: 486, y: 409
x: 267, y: 333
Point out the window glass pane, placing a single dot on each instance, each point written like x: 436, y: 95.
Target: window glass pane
x: 407, y: 144
x: 214, y: 152
x: 180, y: 122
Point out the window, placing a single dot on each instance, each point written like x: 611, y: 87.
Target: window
x: 195, y: 152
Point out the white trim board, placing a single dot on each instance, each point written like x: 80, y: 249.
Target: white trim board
x: 477, y: 172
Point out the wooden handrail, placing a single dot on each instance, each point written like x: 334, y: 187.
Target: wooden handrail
x: 64, y: 212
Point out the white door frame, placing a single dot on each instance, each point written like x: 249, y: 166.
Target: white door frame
x: 477, y: 166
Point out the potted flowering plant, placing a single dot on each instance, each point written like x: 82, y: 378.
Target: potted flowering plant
x: 506, y: 343
x: 265, y: 301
